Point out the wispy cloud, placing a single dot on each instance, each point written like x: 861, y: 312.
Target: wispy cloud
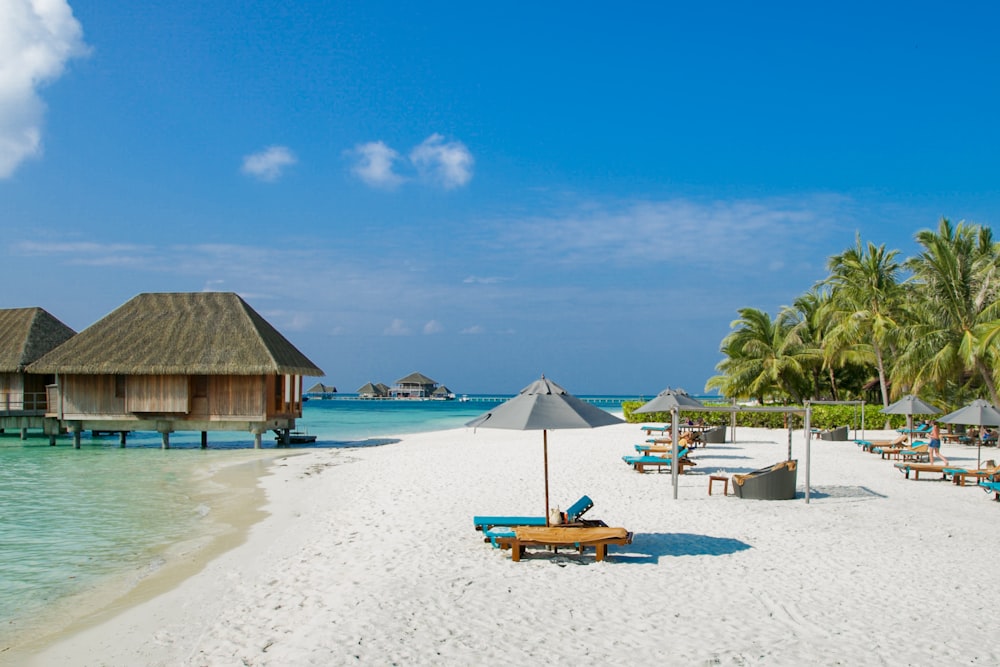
x: 448, y: 164
x: 433, y: 327
x: 475, y: 329
x: 397, y: 328
x: 37, y: 39
x: 483, y: 280
x: 269, y: 164
x: 445, y: 164
x: 375, y: 165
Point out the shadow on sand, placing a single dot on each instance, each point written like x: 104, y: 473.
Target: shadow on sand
x: 845, y: 492
x: 650, y: 547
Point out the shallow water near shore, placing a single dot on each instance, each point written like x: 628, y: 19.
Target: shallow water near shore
x: 105, y: 518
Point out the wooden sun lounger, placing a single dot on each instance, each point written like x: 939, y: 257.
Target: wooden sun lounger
x: 640, y: 463
x: 557, y: 536
x: 961, y: 475
x: 991, y: 487
x: 872, y: 445
x: 904, y: 453
x: 917, y: 468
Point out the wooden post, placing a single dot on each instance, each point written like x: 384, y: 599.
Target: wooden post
x: 121, y: 438
x: 256, y: 440
x: 52, y: 440
x: 76, y: 439
x: 204, y: 439
x: 24, y: 433
x: 165, y: 437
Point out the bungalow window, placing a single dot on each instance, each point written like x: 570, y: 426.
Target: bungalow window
x: 119, y: 386
x: 199, y: 386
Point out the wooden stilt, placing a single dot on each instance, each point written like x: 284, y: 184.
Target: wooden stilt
x: 121, y: 439
x: 165, y: 437
x: 76, y: 439
x: 52, y: 440
x: 204, y: 439
x: 24, y: 434
x: 256, y: 440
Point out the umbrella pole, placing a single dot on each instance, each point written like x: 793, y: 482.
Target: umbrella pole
x: 674, y: 433
x: 545, y: 451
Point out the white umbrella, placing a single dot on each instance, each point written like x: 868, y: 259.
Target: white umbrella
x: 541, y: 406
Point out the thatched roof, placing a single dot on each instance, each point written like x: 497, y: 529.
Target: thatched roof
x: 416, y: 378
x: 320, y: 388
x: 372, y: 390
x: 26, y: 334
x: 196, y: 333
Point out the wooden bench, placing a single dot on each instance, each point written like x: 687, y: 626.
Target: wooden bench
x: 562, y: 536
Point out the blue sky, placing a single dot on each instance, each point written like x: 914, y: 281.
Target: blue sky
x: 484, y: 193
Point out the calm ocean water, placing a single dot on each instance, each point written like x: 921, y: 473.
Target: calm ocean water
x: 73, y: 519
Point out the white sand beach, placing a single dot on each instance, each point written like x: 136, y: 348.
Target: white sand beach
x: 368, y: 556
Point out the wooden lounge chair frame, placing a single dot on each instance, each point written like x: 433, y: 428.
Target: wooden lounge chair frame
x: 872, y: 445
x: 904, y: 453
x: 916, y: 468
x: 987, y: 473
x: 555, y: 537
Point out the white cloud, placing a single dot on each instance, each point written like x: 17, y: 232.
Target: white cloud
x: 433, y: 327
x: 376, y: 165
x: 37, y: 38
x: 397, y: 328
x: 434, y: 161
x: 483, y: 280
x: 269, y: 164
x: 446, y: 164
x: 475, y: 329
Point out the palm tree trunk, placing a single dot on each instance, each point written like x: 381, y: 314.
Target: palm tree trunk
x: 833, y: 384
x: 988, y: 379
x: 881, y: 380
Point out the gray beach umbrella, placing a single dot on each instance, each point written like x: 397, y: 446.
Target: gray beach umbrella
x: 910, y: 405
x: 978, y: 413
x: 668, y: 399
x: 541, y: 406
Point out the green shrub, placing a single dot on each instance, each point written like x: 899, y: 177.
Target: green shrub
x: 822, y: 417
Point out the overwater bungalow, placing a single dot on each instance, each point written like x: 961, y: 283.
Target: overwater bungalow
x: 371, y: 390
x: 25, y: 335
x: 414, y: 385
x: 169, y: 362
x: 321, y: 390
x: 442, y: 393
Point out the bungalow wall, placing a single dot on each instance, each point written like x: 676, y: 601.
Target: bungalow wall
x: 198, y: 397
x: 22, y: 392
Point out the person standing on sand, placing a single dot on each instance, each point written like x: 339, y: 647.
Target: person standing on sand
x: 934, y: 447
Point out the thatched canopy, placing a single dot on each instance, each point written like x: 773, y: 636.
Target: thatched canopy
x: 416, y: 378
x: 443, y: 391
x: 373, y: 390
x: 320, y: 388
x: 196, y: 333
x: 26, y: 334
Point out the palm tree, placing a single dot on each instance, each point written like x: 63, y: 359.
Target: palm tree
x: 807, y: 328
x: 761, y: 359
x: 864, y: 305
x: 955, y: 340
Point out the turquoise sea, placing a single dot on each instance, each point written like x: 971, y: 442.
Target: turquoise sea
x: 73, y: 521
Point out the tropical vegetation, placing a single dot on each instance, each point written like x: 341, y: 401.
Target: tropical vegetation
x: 878, y: 327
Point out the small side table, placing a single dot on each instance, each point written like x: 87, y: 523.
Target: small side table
x: 712, y: 479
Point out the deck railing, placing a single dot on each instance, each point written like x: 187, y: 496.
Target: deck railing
x: 34, y: 401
